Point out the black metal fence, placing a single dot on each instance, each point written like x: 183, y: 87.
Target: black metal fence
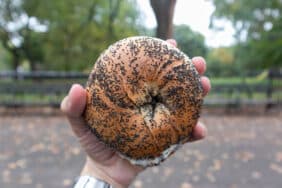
x: 41, y: 88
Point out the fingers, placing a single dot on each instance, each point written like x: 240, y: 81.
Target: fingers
x: 198, y: 61
x: 172, y: 42
x: 199, y: 132
x: 73, y: 106
x: 200, y: 64
x: 206, y: 84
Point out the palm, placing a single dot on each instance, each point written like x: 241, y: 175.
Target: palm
x: 105, y: 157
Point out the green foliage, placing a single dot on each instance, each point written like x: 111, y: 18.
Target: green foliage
x: 221, y: 62
x: 4, y: 59
x: 262, y: 53
x: 190, y: 42
x: 78, y: 31
x: 64, y: 35
x: 261, y: 21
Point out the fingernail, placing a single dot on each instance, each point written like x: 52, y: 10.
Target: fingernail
x: 71, y: 88
x: 206, y: 85
x: 172, y: 41
x: 204, y: 130
x: 69, y: 96
x: 199, y: 58
x: 201, y: 131
x: 65, y: 104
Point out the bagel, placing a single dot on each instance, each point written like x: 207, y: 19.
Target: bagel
x: 143, y: 99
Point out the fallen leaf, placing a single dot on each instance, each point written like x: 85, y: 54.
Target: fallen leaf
x: 278, y: 157
x: 137, y: 184
x: 75, y: 150
x: 6, y: 176
x: 38, y: 185
x: 256, y: 175
x: 245, y: 156
x: 216, y: 165
x: 25, y: 179
x: 37, y: 147
x: 275, y: 167
x: 155, y: 170
x: 67, y: 182
x: 186, y: 185
x: 21, y: 163
x: 168, y: 171
x: 12, y: 165
x: 196, y: 178
x: 211, y: 177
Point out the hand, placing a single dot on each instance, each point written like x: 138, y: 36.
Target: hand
x: 102, y: 162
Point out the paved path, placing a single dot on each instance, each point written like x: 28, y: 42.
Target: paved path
x: 240, y: 151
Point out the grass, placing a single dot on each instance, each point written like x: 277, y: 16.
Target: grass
x: 237, y: 80
x: 246, y: 80
x: 31, y: 99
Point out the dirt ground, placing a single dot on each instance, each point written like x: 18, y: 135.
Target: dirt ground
x: 240, y: 151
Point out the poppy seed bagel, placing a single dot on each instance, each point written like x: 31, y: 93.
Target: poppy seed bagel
x: 143, y: 99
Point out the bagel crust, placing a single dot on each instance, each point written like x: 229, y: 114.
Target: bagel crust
x: 143, y: 99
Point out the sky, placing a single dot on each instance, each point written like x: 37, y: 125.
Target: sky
x: 196, y: 14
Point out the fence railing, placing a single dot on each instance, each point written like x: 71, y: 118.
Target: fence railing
x: 41, y: 88
x: 42, y: 75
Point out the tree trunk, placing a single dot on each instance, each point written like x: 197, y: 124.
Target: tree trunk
x: 114, y: 8
x: 16, y: 60
x: 164, y: 10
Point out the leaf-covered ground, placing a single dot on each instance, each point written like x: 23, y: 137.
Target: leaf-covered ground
x: 240, y: 151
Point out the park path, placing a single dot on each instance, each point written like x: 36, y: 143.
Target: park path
x: 240, y: 151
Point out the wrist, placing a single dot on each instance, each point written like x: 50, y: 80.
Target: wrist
x: 96, y: 171
x: 91, y: 182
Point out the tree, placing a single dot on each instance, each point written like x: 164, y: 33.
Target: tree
x: 63, y: 35
x: 164, y: 11
x: 18, y: 35
x: 190, y: 42
x: 78, y: 31
x: 4, y: 58
x: 10, y: 12
x: 260, y: 22
x: 221, y: 62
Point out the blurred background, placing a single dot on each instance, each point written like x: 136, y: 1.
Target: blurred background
x: 46, y: 46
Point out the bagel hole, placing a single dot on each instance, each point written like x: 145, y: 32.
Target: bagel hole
x: 154, y: 101
x: 149, y: 108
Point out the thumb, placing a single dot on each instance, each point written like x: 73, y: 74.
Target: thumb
x: 74, y: 103
x: 73, y: 106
